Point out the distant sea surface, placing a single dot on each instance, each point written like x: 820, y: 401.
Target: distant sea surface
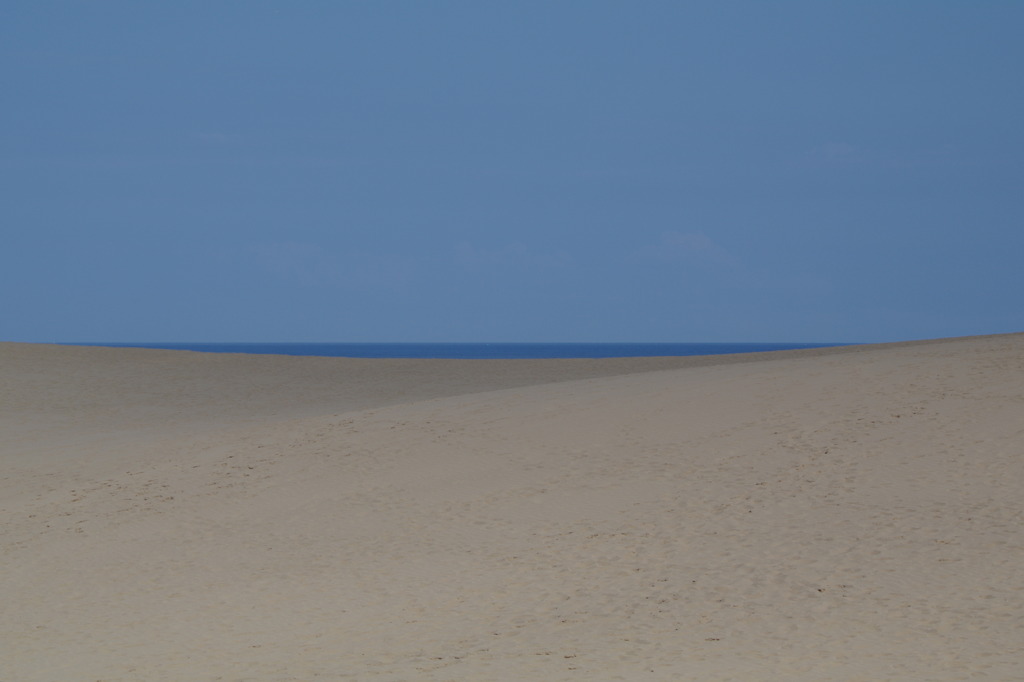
x: 476, y: 351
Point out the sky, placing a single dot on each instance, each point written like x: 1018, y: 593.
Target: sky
x: 481, y: 170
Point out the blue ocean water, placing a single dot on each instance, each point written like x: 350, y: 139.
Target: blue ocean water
x: 477, y: 351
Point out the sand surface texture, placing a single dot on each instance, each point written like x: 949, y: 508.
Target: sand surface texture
x: 845, y: 514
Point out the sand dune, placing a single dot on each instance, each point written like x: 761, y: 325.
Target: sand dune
x: 839, y: 514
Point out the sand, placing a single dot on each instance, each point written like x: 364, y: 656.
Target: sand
x: 840, y: 514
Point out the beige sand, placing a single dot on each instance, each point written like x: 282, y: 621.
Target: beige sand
x: 853, y: 514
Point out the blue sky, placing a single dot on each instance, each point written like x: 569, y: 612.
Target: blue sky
x: 510, y: 171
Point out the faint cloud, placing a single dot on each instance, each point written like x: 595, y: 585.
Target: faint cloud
x: 215, y: 137
x: 836, y: 153
x: 687, y: 247
x: 384, y: 271
x: 299, y: 262
x: 687, y: 241
x: 308, y: 264
x: 473, y: 257
x: 845, y: 155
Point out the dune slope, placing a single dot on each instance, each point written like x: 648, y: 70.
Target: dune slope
x: 844, y: 515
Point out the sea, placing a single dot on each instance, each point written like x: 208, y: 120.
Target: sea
x: 476, y: 351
